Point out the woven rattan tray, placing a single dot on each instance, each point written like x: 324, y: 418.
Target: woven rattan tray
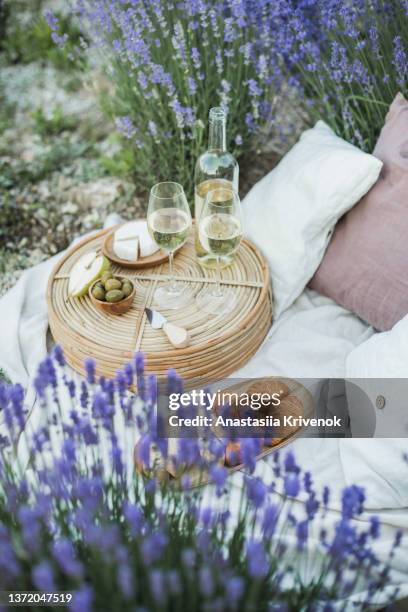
x: 219, y: 345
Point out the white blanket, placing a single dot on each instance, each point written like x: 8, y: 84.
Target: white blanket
x: 314, y: 338
x: 311, y: 339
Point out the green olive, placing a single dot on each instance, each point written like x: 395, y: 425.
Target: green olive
x: 98, y: 293
x: 115, y: 295
x: 106, y: 276
x: 113, y: 283
x: 127, y: 288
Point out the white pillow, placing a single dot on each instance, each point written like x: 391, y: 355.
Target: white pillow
x: 379, y: 367
x: 384, y: 355
x: 291, y: 213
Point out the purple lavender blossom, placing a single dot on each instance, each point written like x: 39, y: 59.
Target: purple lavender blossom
x: 302, y: 533
x: 59, y: 356
x: 206, y: 582
x: 153, y: 546
x: 80, y: 517
x: 256, y: 490
x: 250, y: 448
x: 219, y: 476
x: 270, y: 520
x: 353, y: 499
x: 64, y: 555
x: 43, y: 577
x: 292, y: 485
x: 257, y: 561
x: 90, y: 368
x: 126, y: 581
x: 125, y: 126
x: 400, y: 60
x: 134, y: 517
x: 374, y: 527
x: 178, y: 55
x: 290, y: 463
x: 82, y: 600
x: 234, y: 588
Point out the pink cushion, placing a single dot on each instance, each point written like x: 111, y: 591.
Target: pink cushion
x: 365, y: 267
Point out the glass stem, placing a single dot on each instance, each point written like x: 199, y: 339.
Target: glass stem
x: 218, y: 292
x: 172, y: 281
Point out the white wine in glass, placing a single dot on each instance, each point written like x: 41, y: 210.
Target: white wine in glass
x: 169, y: 223
x: 169, y: 228
x: 205, y: 259
x: 220, y: 234
x: 214, y: 169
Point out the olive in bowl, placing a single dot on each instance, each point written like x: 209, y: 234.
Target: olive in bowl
x: 112, y: 294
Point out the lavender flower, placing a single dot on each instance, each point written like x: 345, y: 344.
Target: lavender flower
x: 257, y: 562
x: 352, y: 501
x: 178, y: 55
x: 43, y: 577
x: 302, y: 532
x: 90, y: 367
x: 87, y: 514
x: 64, y: 555
x: 292, y: 485
x: 82, y: 600
x: 400, y: 61
x: 290, y: 463
x: 153, y: 546
x: 59, y: 356
x: 157, y: 586
x: 257, y: 490
x: 206, y: 582
x: 126, y: 581
x: 349, y: 57
x: 235, y: 588
x: 125, y: 126
x: 219, y: 476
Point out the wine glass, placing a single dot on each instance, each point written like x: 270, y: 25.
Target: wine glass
x: 169, y: 222
x: 220, y: 233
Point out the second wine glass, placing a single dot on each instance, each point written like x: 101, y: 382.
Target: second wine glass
x: 220, y: 233
x: 169, y: 223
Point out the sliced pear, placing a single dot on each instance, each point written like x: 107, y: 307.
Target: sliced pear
x: 86, y: 271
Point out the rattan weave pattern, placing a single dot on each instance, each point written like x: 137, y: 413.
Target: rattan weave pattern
x: 219, y: 344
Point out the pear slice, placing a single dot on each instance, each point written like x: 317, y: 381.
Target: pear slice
x: 86, y: 270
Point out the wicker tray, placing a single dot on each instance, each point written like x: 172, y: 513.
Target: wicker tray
x: 219, y: 345
x: 200, y: 476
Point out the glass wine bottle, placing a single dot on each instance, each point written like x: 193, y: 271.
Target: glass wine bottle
x: 216, y: 168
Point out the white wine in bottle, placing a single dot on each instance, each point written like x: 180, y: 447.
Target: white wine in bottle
x: 214, y: 169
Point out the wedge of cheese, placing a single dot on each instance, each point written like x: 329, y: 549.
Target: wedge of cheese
x: 132, y: 239
x: 127, y: 249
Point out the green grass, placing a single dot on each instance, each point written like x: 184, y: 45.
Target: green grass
x: 6, y: 112
x: 121, y: 164
x: 4, y: 377
x: 25, y: 44
x: 56, y: 158
x: 57, y: 123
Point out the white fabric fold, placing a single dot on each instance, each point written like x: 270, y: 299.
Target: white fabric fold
x: 312, y: 338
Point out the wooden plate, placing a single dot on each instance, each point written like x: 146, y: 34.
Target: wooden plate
x: 296, y: 391
x: 143, y: 262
